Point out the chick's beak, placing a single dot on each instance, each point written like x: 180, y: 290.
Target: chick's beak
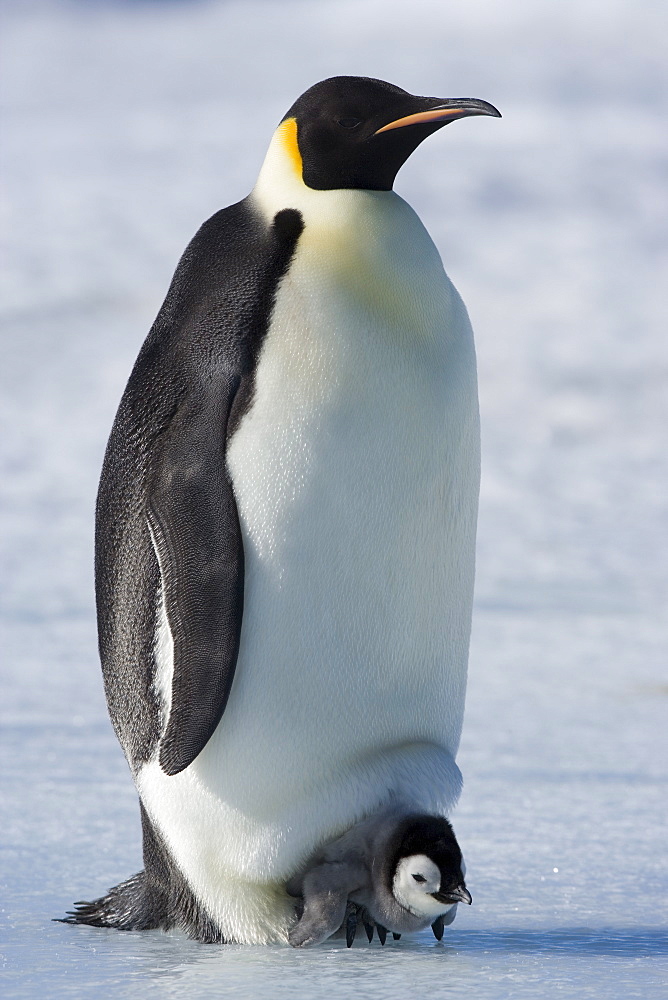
x: 458, y: 895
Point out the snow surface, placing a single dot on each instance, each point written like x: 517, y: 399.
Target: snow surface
x: 125, y: 125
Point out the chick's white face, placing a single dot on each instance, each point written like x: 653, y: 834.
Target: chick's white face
x: 415, y: 879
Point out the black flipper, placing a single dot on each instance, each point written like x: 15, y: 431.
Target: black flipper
x: 165, y: 476
x: 382, y: 933
x: 437, y: 928
x: 195, y: 525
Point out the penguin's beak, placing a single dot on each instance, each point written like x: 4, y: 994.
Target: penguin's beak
x: 441, y: 112
x: 458, y: 895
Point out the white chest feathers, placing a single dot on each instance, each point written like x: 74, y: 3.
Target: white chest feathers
x: 356, y: 477
x: 365, y: 388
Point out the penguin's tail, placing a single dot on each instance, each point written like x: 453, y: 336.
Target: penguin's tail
x: 131, y: 906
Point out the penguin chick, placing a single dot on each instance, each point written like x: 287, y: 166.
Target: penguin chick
x: 401, y: 872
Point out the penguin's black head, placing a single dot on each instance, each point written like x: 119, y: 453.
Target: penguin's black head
x: 427, y: 864
x: 354, y: 132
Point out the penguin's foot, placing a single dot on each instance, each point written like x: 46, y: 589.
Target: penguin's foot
x: 443, y: 921
x: 313, y: 929
x: 437, y: 928
x: 352, y: 913
x: 356, y: 914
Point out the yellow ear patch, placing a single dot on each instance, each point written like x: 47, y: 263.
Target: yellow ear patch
x: 288, y: 134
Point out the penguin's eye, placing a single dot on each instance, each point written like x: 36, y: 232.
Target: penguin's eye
x: 349, y: 122
x: 419, y: 878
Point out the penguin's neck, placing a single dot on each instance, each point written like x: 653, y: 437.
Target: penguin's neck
x: 280, y: 185
x: 371, y: 244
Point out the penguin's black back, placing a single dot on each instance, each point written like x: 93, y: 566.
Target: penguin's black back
x: 165, y: 466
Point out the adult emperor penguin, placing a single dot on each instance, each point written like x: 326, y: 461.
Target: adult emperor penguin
x: 286, y: 525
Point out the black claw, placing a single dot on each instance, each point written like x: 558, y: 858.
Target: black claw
x: 437, y: 927
x: 369, y: 930
x: 351, y: 924
x: 395, y: 935
x: 382, y: 933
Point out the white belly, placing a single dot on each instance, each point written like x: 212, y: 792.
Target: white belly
x: 356, y: 478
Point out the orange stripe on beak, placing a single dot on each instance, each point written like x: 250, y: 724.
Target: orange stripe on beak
x: 437, y: 114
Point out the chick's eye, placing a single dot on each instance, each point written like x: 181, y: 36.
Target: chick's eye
x: 419, y: 878
x: 349, y: 122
